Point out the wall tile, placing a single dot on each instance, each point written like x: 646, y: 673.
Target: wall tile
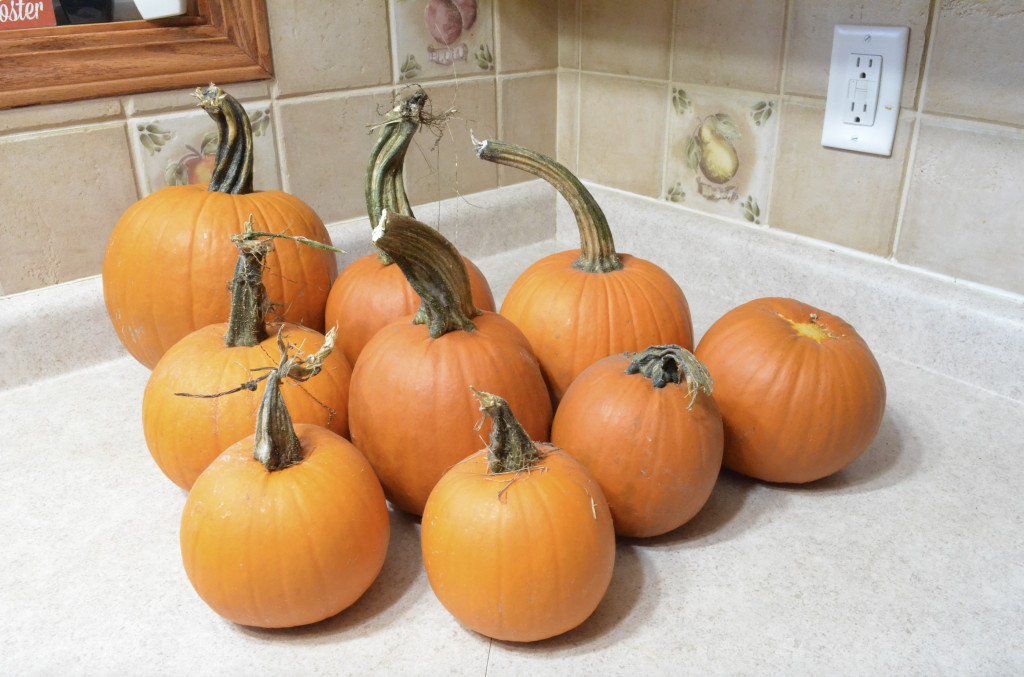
x: 441, y: 163
x: 969, y: 76
x: 848, y: 198
x: 323, y: 46
x: 569, y: 33
x: 622, y: 133
x: 439, y: 40
x: 633, y: 38
x: 568, y: 117
x: 720, y: 151
x: 182, y: 99
x: 729, y: 43
x: 528, y: 110
x: 527, y: 35
x: 326, y: 144
x: 964, y: 204
x: 28, y: 118
x: 63, y: 193
x: 810, y: 33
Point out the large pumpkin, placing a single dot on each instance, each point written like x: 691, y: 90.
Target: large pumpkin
x: 185, y: 432
x: 800, y: 392
x: 371, y: 292
x: 288, y: 526
x: 170, y: 253
x: 517, y: 539
x: 578, y: 306
x: 647, y: 428
x: 410, y: 407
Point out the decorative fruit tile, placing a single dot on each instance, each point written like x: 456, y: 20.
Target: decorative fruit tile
x: 720, y: 152
x: 179, y: 148
x: 442, y: 38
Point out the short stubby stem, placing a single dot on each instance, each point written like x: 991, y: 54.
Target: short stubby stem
x: 510, y: 448
x: 670, y: 363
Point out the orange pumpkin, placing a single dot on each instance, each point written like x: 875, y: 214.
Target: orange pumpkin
x: 647, y: 428
x: 286, y: 527
x: 371, y: 292
x: 581, y: 305
x: 517, y: 539
x: 184, y: 434
x: 169, y: 254
x: 800, y: 392
x: 410, y: 408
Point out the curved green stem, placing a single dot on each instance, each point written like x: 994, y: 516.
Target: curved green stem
x: 233, y: 171
x: 597, y: 247
x: 510, y: 448
x: 434, y: 269
x: 672, y: 364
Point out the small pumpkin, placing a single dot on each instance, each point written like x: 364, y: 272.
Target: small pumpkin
x: 800, y: 392
x: 169, y: 254
x: 410, y: 408
x: 517, y: 539
x: 581, y: 305
x: 647, y: 428
x: 288, y: 526
x: 371, y: 292
x: 185, y: 433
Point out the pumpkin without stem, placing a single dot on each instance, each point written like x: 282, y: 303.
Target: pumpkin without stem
x: 410, y: 408
x: 647, y: 428
x: 371, y: 292
x: 800, y: 393
x: 517, y: 539
x: 170, y: 253
x: 581, y: 305
x: 185, y: 433
x: 286, y: 527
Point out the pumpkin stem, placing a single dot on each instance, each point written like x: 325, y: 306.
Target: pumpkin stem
x: 510, y: 448
x: 385, y: 185
x: 276, y: 445
x: 672, y: 364
x: 233, y: 171
x: 434, y: 269
x: 247, y: 323
x: 597, y: 247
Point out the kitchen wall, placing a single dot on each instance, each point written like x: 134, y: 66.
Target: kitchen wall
x: 618, y: 89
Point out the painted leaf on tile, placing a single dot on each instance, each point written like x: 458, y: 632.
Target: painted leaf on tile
x: 153, y: 137
x: 725, y: 126
x: 692, y: 153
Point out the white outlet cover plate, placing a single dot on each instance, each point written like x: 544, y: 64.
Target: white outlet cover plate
x: 888, y: 42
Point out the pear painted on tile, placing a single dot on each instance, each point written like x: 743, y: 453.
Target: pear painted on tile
x: 718, y: 159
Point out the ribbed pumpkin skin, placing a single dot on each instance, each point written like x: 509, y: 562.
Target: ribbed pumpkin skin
x: 574, y: 319
x: 170, y: 256
x: 795, y: 408
x: 656, y: 461
x: 519, y: 560
x: 290, y: 547
x: 368, y: 295
x: 411, y: 410
x: 185, y: 434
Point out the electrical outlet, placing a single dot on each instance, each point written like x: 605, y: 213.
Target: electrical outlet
x: 864, y: 87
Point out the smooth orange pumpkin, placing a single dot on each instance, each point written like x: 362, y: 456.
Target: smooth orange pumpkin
x: 371, y: 292
x: 170, y: 253
x: 410, y: 408
x: 286, y: 527
x: 647, y: 428
x: 578, y: 306
x: 517, y: 539
x: 184, y: 434
x: 800, y: 392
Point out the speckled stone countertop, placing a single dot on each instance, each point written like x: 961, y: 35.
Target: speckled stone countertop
x: 910, y: 561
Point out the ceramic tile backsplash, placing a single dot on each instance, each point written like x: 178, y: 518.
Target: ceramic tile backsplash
x: 810, y: 39
x: 442, y: 39
x: 527, y: 35
x: 568, y: 115
x: 627, y: 38
x: 729, y: 43
x: 843, y: 197
x: 720, y: 146
x: 323, y: 46
x: 528, y: 118
x: 963, y: 214
x: 569, y: 33
x: 55, y: 217
x: 972, y: 77
x: 16, y: 120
